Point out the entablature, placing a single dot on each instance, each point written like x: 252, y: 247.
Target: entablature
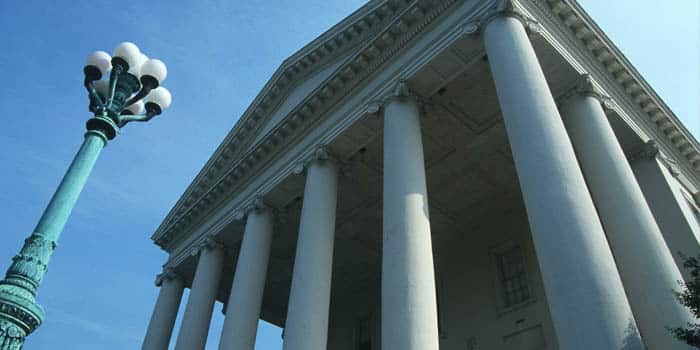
x: 409, y: 22
x: 563, y: 24
x: 590, y: 51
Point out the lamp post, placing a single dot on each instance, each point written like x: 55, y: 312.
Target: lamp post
x: 132, y: 93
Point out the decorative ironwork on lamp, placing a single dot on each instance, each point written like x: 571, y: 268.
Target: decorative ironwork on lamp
x: 132, y: 93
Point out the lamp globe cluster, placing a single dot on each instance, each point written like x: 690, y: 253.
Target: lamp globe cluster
x: 124, y: 87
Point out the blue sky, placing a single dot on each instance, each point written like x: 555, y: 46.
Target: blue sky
x: 99, y: 291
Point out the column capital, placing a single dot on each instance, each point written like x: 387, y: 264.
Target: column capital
x: 650, y: 151
x: 257, y: 204
x: 168, y: 274
x: 400, y: 91
x: 585, y: 85
x: 208, y: 243
x: 503, y: 8
x: 319, y: 154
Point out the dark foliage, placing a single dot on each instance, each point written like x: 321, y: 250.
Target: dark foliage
x: 690, y: 297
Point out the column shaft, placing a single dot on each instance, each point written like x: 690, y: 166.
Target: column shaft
x: 646, y: 266
x: 243, y: 310
x: 160, y: 328
x: 306, y: 327
x: 675, y: 218
x: 200, y: 305
x: 586, y: 299
x: 409, y: 309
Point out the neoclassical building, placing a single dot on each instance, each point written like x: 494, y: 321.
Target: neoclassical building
x: 441, y: 174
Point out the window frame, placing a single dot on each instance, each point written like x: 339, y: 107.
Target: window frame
x: 500, y: 289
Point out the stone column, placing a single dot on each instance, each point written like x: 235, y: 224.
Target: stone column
x: 245, y: 300
x: 668, y: 204
x: 586, y: 299
x: 200, y: 305
x: 306, y: 327
x: 160, y: 328
x: 409, y: 309
x: 646, y: 266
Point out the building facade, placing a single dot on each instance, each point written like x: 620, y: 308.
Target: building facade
x: 441, y: 174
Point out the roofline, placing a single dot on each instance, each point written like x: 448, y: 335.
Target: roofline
x: 247, y: 118
x: 617, y: 65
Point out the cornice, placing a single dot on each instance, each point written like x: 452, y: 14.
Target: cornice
x: 353, y: 30
x: 231, y: 167
x: 667, y: 128
x: 207, y: 191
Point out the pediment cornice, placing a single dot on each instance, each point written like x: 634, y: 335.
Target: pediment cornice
x: 666, y: 127
x: 231, y: 164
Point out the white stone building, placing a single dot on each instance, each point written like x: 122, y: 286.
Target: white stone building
x: 453, y: 174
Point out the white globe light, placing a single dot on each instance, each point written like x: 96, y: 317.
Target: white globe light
x: 101, y: 60
x: 160, y: 96
x: 155, y: 68
x: 128, y: 52
x: 102, y: 87
x: 135, y: 68
x: 137, y: 108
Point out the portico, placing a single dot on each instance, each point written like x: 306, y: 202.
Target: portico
x: 431, y: 175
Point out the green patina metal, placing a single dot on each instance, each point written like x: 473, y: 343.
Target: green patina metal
x: 20, y: 314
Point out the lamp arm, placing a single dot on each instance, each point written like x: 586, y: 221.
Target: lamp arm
x: 127, y: 118
x: 117, y: 71
x: 145, y: 89
x: 92, y: 93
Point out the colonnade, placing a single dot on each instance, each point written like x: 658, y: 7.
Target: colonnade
x: 602, y: 285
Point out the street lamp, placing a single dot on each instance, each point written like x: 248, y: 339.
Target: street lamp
x: 132, y: 94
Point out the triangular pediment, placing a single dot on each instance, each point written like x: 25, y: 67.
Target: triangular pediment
x: 319, y: 75
x: 295, y: 95
x: 296, y: 78
x: 302, y: 72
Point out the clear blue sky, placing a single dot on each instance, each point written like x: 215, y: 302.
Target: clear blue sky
x: 99, y: 291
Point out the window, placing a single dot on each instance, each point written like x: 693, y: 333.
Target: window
x: 363, y: 333
x: 512, y: 276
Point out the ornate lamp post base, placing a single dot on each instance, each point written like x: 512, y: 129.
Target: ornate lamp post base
x: 19, y: 316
